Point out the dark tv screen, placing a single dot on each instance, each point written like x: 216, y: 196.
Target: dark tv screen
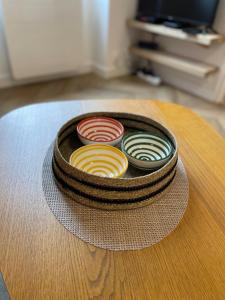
x: 197, y: 12
x: 148, y: 8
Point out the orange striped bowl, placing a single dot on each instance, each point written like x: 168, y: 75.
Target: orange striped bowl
x: 100, y: 160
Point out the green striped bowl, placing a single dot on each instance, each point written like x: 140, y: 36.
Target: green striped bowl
x: 146, y: 151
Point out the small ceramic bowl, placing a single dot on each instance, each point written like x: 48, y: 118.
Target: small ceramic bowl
x: 146, y: 151
x: 100, y: 160
x: 100, y: 130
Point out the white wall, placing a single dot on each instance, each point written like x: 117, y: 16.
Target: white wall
x: 110, y: 38
x: 87, y: 55
x: 5, y: 73
x: 98, y: 15
x: 120, y: 37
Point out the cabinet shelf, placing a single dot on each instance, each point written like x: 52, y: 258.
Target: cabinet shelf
x: 202, y: 39
x: 195, y: 68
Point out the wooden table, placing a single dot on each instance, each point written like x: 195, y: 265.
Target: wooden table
x: 40, y: 259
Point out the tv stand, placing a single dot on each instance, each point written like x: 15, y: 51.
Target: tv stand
x: 173, y: 24
x: 189, y: 66
x: 204, y: 39
x: 194, y: 30
x: 150, y: 19
x: 194, y: 66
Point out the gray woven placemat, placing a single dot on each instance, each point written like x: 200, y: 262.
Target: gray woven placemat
x: 4, y: 294
x: 118, y: 230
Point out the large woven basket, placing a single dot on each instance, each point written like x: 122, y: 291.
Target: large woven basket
x: 136, y: 189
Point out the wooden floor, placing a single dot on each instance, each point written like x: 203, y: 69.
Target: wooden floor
x: 93, y: 87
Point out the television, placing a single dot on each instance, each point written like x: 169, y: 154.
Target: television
x: 147, y: 10
x: 186, y: 12
x: 191, y: 12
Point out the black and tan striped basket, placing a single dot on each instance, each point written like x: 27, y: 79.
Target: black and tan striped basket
x: 136, y: 189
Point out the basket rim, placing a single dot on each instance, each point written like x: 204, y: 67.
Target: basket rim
x: 116, y: 181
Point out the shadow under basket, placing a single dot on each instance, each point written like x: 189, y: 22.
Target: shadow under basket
x: 137, y: 188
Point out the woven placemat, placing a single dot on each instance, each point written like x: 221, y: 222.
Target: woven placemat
x: 118, y: 230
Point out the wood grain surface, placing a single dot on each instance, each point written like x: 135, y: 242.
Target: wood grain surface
x: 40, y: 259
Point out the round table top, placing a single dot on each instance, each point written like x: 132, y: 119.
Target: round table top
x: 40, y: 259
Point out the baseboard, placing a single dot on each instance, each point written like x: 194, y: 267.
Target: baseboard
x: 8, y: 81
x: 108, y: 73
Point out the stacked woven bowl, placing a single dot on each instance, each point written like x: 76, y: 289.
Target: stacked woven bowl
x: 128, y: 161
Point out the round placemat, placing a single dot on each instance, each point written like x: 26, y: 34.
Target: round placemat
x: 122, y: 229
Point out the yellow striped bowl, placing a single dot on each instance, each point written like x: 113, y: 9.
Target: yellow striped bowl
x: 100, y: 160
